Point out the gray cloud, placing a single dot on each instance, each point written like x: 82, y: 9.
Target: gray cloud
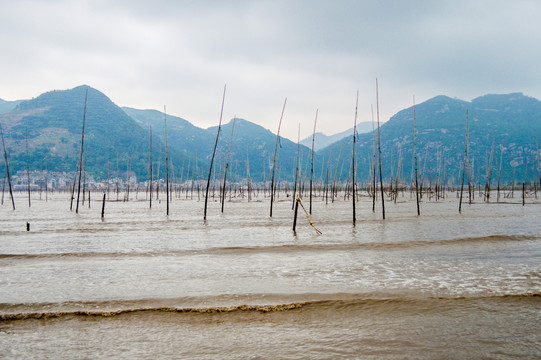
x: 317, y: 53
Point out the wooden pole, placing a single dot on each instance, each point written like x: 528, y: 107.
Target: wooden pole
x: 213, y: 153
x: 353, y: 158
x: 296, y: 168
x: 415, y: 158
x: 166, y: 161
x: 464, y: 166
x: 227, y: 163
x: 27, y: 169
x: 81, y: 155
x: 312, y: 160
x: 374, y: 161
x: 523, y: 193
x: 7, y: 168
x: 150, y: 169
x: 295, y: 214
x: 379, y: 154
x: 274, y: 159
x: 103, y: 206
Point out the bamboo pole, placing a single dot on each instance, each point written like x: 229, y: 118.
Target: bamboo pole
x: 499, y: 174
x: 295, y: 214
x: 227, y: 163
x: 274, y: 159
x: 374, y: 161
x: 312, y: 160
x: 353, y: 158
x: 3, y: 188
x: 213, y: 153
x: 464, y: 165
x: 150, y: 169
x: 7, y: 168
x: 415, y: 158
x: 81, y: 155
x: 379, y: 153
x: 296, y: 169
x: 308, y: 216
x: 103, y: 206
x: 166, y: 161
x: 27, y: 169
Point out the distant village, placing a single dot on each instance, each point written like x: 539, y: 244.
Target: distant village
x: 61, y: 181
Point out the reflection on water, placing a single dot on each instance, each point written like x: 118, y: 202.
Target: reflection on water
x: 389, y: 288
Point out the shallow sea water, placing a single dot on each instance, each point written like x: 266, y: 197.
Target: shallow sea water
x: 139, y: 284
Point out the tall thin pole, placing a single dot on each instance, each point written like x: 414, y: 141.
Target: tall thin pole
x: 297, y: 167
x: 7, y: 167
x: 415, y: 157
x: 27, y: 169
x: 166, y: 161
x: 227, y: 164
x: 81, y: 155
x: 274, y: 160
x: 464, y: 166
x: 312, y: 161
x: 353, y: 158
x: 374, y: 161
x: 150, y: 169
x: 213, y: 153
x: 379, y: 153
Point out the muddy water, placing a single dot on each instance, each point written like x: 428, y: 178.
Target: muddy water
x: 140, y: 284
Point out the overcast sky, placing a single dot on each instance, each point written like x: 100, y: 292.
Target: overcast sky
x: 145, y: 54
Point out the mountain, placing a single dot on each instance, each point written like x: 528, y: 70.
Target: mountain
x: 321, y: 140
x: 114, y: 135
x: 512, y: 122
x: 54, y: 123
x: 7, y: 106
x: 181, y: 134
x: 254, y: 145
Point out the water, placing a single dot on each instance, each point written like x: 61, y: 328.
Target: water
x: 139, y: 284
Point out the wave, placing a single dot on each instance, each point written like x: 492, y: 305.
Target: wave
x: 332, y: 303
x: 283, y: 248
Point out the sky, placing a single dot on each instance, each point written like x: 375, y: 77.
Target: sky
x: 317, y: 54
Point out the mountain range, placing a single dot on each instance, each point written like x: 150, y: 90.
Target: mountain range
x: 117, y: 139
x: 321, y: 140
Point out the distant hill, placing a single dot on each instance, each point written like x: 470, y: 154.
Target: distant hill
x: 54, y: 122
x: 255, y: 143
x: 511, y: 122
x: 181, y: 134
x: 321, y: 140
x: 7, y: 106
